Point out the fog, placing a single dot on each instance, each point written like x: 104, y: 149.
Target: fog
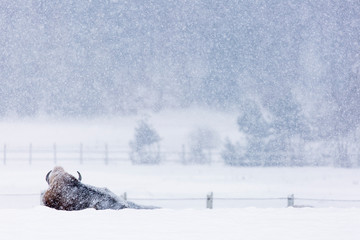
x: 288, y: 70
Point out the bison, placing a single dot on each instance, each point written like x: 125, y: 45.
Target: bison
x: 68, y: 193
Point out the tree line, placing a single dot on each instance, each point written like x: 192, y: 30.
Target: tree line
x: 290, y: 68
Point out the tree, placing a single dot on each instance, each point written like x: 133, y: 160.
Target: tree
x: 232, y: 154
x: 201, y: 142
x: 287, y: 124
x: 257, y: 129
x: 145, y: 149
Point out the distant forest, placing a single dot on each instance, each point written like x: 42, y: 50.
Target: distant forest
x: 292, y: 64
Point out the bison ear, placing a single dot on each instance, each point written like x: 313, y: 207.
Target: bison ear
x: 79, y: 176
x: 47, y: 177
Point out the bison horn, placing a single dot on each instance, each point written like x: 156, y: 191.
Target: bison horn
x: 47, y: 176
x: 79, y: 176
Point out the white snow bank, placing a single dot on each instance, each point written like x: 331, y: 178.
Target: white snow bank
x: 250, y: 223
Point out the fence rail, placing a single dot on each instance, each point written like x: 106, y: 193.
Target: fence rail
x: 209, y: 199
x: 107, y: 153
x: 83, y: 153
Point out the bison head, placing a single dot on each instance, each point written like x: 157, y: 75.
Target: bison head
x: 58, y: 171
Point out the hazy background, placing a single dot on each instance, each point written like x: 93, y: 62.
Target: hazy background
x: 288, y: 69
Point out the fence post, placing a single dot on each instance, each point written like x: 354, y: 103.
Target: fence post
x: 4, y: 154
x: 55, y: 153
x: 209, y: 200
x: 81, y: 153
x: 124, y: 196
x: 106, y: 154
x: 30, y: 153
x: 291, y: 200
x: 183, y: 154
x: 209, y: 156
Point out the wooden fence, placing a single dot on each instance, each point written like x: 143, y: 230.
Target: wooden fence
x: 107, y: 153
x: 209, y: 201
x: 85, y: 153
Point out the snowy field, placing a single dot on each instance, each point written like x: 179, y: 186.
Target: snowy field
x: 22, y: 217
x: 251, y: 223
x: 249, y: 203
x: 21, y: 184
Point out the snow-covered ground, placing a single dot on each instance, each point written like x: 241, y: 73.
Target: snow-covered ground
x: 21, y: 216
x: 249, y: 203
x: 21, y: 184
x: 251, y: 223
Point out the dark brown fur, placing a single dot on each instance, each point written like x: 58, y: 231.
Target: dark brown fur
x: 65, y: 192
